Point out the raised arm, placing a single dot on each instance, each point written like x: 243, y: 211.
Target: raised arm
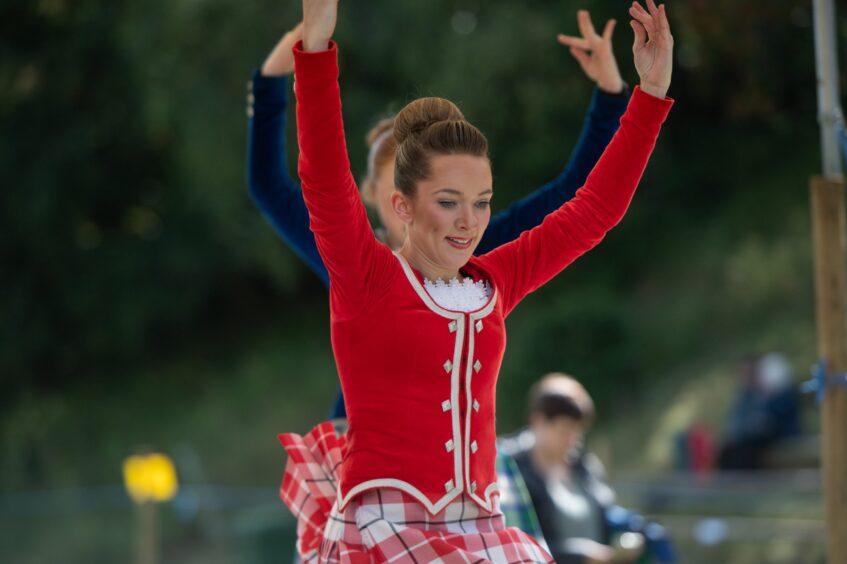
x: 269, y: 184
x: 595, y: 56
x: 350, y: 251
x: 539, y: 254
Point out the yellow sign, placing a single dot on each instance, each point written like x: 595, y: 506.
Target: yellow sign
x: 150, y: 478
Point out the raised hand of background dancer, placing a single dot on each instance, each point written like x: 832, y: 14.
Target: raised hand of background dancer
x: 652, y: 48
x: 594, y: 53
x: 319, y: 17
x: 280, y: 62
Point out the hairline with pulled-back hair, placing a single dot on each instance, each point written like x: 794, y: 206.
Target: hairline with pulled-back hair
x: 429, y: 127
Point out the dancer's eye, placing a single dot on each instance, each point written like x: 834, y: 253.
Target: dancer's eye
x: 482, y: 204
x: 447, y: 204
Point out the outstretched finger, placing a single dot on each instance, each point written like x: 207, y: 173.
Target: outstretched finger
x: 639, y: 8
x: 643, y: 18
x: 586, y: 27
x: 640, y: 36
x: 651, y: 5
x: 572, y: 41
x: 608, y: 30
x: 664, y: 26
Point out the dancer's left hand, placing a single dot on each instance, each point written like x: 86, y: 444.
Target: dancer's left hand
x: 319, y: 19
x: 652, y: 48
x: 594, y: 53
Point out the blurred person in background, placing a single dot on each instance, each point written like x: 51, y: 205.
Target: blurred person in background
x: 766, y: 412
x: 281, y: 201
x: 572, y: 501
x: 419, y: 334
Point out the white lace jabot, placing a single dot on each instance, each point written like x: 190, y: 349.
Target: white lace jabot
x: 467, y: 295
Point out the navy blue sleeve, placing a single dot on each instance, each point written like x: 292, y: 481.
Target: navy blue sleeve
x: 601, y: 123
x: 270, y: 186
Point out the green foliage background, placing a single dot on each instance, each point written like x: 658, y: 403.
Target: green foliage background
x: 143, y: 298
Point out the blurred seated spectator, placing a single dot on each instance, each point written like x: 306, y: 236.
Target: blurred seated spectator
x: 571, y: 502
x: 765, y: 413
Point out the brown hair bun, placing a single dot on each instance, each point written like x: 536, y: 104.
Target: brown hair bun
x: 418, y: 115
x: 429, y: 127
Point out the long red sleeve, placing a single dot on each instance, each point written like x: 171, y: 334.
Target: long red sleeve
x: 580, y: 224
x: 337, y: 215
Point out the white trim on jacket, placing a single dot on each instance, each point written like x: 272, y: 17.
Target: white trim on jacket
x: 460, y: 481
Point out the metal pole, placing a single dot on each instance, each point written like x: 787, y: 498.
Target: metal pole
x: 829, y: 109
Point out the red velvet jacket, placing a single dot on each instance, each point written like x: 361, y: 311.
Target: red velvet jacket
x: 419, y: 380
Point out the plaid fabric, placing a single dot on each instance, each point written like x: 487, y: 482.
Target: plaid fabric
x: 515, y: 502
x: 310, y: 482
x: 385, y: 525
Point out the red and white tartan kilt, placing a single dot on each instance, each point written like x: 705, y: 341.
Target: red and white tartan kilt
x: 386, y: 525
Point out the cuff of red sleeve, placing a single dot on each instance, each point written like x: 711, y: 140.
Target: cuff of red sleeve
x: 649, y: 107
x: 309, y: 67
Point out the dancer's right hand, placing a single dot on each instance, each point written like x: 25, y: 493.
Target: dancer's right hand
x: 319, y: 17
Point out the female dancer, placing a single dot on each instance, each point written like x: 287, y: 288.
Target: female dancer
x: 418, y: 357
x: 281, y: 200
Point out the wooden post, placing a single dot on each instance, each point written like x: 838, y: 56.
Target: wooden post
x: 830, y: 241
x: 146, y: 533
x: 149, y: 479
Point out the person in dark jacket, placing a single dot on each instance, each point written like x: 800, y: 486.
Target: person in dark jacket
x: 573, y: 503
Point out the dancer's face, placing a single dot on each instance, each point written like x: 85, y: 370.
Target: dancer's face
x: 448, y: 213
x: 382, y: 190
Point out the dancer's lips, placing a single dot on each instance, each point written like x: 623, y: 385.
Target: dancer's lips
x: 459, y: 243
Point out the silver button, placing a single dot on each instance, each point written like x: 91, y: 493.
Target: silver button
x: 446, y: 405
x: 448, y: 446
x: 448, y: 485
x: 473, y: 487
x: 448, y: 366
x: 474, y: 447
x: 453, y: 326
x: 475, y: 405
x: 477, y: 365
x: 251, y: 99
x: 249, y: 111
x: 479, y: 326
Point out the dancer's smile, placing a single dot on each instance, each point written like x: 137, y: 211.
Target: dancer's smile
x: 459, y: 243
x: 447, y: 215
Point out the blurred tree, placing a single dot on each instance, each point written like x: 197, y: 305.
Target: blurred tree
x: 128, y: 232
